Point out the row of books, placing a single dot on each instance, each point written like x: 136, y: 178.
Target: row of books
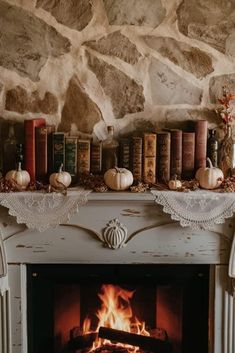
x: 152, y: 156
x: 163, y: 155
x: 45, y: 151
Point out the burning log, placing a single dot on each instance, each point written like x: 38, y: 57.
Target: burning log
x: 145, y: 342
x: 82, y: 341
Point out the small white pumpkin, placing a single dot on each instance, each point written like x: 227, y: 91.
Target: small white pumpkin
x: 20, y: 178
x: 118, y: 178
x: 209, y: 177
x: 174, y: 184
x: 61, y: 179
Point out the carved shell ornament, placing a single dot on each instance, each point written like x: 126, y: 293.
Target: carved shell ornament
x: 115, y: 234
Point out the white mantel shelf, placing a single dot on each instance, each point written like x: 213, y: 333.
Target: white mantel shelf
x: 85, y: 227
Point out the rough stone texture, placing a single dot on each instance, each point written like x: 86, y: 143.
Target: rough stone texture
x: 26, y: 42
x: 74, y: 14
x: 209, y: 21
x: 118, y: 45
x: 135, y: 12
x: 189, y: 58
x: 216, y: 86
x: 126, y: 94
x: 169, y: 88
x: 79, y: 109
x: 19, y: 100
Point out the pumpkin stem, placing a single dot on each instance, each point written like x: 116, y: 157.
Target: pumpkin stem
x: 60, y: 168
x: 19, y: 167
x: 209, y: 162
x: 118, y: 170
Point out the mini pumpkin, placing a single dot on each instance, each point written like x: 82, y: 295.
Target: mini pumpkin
x: 118, y: 178
x: 209, y: 177
x: 61, y: 179
x: 19, y: 177
x: 174, y: 184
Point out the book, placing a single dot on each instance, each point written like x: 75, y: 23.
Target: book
x: 200, y: 143
x: 58, y: 150
x: 50, y: 131
x: 41, y: 152
x: 176, y: 154
x: 163, y: 156
x: 149, y: 157
x: 83, y: 156
x: 71, y: 156
x: 136, y: 157
x: 30, y: 145
x: 188, y: 155
x: 96, y: 157
x: 124, y: 153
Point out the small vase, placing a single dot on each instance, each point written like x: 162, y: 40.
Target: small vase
x: 226, y: 153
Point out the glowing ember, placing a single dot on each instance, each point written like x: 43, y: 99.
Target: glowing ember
x: 115, y: 313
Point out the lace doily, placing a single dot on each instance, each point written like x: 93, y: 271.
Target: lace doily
x: 197, y: 210
x: 40, y: 210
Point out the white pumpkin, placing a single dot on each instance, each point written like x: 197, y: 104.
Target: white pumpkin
x: 19, y: 177
x: 174, y: 184
x: 118, y: 178
x: 209, y: 177
x: 61, y: 179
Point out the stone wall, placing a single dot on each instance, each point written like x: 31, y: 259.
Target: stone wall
x: 137, y: 65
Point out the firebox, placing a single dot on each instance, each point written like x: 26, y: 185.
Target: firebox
x: 118, y: 308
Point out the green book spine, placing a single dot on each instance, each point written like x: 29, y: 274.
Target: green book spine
x: 58, y: 147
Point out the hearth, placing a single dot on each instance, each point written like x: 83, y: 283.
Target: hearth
x: 161, y: 308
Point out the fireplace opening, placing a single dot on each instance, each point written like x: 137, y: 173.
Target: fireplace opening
x: 117, y: 308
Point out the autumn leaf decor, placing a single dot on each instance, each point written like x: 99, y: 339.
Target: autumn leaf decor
x: 227, y: 113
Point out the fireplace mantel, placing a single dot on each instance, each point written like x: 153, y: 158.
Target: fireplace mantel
x: 148, y: 236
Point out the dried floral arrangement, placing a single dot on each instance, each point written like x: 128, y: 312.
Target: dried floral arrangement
x: 226, y: 108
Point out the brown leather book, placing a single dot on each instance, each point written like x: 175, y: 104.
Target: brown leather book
x: 200, y: 143
x: 124, y: 153
x: 136, y: 157
x: 149, y: 157
x: 83, y: 156
x: 30, y: 145
x: 163, y: 156
x: 176, y: 154
x: 96, y: 157
x: 188, y: 155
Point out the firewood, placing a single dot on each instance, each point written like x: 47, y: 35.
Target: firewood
x: 82, y: 341
x: 145, y: 342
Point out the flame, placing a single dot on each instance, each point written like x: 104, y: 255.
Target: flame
x: 116, y: 312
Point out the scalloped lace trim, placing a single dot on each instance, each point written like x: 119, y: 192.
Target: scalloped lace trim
x: 197, y: 210
x: 43, y: 210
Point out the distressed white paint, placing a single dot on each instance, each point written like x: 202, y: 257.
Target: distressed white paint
x: 152, y: 238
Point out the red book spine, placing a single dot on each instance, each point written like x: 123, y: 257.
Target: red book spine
x: 200, y: 143
x: 188, y: 154
x: 30, y: 152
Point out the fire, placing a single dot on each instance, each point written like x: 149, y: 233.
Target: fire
x: 116, y: 313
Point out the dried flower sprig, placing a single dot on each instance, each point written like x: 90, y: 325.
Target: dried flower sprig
x: 225, y: 110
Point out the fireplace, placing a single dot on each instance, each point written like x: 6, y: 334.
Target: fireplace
x: 155, y: 300
x: 180, y: 274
